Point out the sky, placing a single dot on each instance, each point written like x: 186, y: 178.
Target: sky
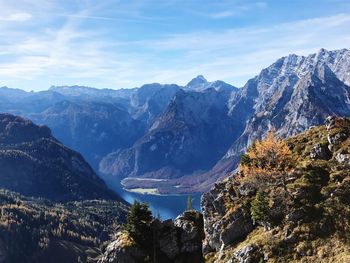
x: 127, y: 43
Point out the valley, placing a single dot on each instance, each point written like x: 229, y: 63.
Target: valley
x: 187, y: 137
x: 174, y: 152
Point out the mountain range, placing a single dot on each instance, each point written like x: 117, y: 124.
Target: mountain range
x: 187, y: 137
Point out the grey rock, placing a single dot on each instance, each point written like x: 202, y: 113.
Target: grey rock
x: 336, y: 138
x: 330, y: 122
x: 221, y: 228
x: 192, y: 233
x: 247, y: 190
x: 168, y: 241
x: 291, y: 239
x: 343, y: 158
x: 119, y: 251
x: 320, y: 151
x: 239, y: 225
x: 248, y: 254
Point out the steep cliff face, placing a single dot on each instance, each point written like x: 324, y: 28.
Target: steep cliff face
x: 92, y: 128
x: 309, y: 228
x: 293, y: 94
x: 182, y: 141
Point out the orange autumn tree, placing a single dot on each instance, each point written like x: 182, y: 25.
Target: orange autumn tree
x: 267, y: 163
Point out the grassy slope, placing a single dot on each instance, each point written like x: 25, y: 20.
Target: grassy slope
x: 322, y: 189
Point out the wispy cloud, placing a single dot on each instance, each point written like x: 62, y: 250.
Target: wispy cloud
x: 54, y: 45
x: 16, y: 17
x: 222, y: 14
x: 236, y: 9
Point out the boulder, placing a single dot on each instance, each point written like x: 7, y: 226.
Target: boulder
x: 248, y: 254
x: 343, y: 158
x: 191, y: 231
x: 335, y: 139
x: 320, y: 151
x: 330, y: 122
x: 122, y: 250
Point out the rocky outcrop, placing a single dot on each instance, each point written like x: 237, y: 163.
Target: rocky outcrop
x: 298, y: 224
x: 181, y: 240
x: 320, y: 151
x: 178, y: 241
x: 343, y: 158
x: 192, y: 232
x: 224, y: 223
x: 122, y: 250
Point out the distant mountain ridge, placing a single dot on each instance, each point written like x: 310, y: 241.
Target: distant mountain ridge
x: 34, y: 163
x: 190, y: 136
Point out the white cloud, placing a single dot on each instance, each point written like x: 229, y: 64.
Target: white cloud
x: 16, y: 17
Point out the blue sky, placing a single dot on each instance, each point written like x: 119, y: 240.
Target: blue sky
x: 127, y: 43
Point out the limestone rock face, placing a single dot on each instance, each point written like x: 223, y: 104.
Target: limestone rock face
x: 192, y: 233
x: 330, y: 122
x: 167, y: 236
x: 223, y: 224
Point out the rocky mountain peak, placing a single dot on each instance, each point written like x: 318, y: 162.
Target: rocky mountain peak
x: 197, y: 82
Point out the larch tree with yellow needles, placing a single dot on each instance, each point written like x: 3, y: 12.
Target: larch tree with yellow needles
x: 267, y: 163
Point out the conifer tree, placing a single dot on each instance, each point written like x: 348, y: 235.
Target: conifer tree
x: 138, y: 221
x: 260, y: 209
